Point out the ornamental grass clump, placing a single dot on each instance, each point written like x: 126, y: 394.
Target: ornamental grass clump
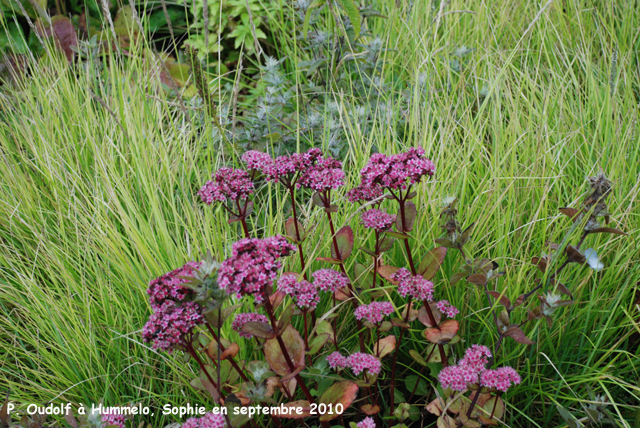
x: 302, y: 306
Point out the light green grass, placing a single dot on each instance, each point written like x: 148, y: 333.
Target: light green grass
x: 88, y: 216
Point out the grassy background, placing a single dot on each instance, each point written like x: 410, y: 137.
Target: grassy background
x: 89, y: 214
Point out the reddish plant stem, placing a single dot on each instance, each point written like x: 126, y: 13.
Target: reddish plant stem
x: 242, y: 216
x: 401, y: 200
x: 231, y: 360
x: 196, y: 357
x: 344, y: 271
x: 295, y: 224
x: 284, y: 350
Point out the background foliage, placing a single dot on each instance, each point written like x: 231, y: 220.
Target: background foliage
x: 515, y: 102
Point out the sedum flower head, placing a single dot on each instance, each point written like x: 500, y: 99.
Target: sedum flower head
x: 447, y: 308
x: 397, y: 171
x: 255, y: 160
x: 377, y: 219
x: 358, y: 362
x: 209, y: 420
x: 303, y: 292
x: 329, y: 280
x: 452, y: 377
x: 365, y: 193
x: 325, y: 174
x: 500, y: 379
x: 285, y: 167
x: 109, y: 419
x: 374, y: 312
x: 415, y: 286
x: 241, y: 319
x: 170, y: 323
x: 337, y: 361
x: 253, y: 265
x: 168, y: 286
x: 367, y: 422
x: 226, y: 183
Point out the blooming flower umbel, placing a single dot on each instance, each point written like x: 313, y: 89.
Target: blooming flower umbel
x: 167, y: 287
x: 367, y: 422
x: 329, y: 280
x: 303, y: 292
x: 242, y: 319
x: 325, y: 174
x: 365, y: 193
x: 358, y: 362
x: 337, y: 360
x: 415, y: 286
x: 170, y: 323
x: 374, y: 312
x: 209, y: 420
x: 255, y: 160
x: 378, y: 220
x: 472, y: 370
x: 253, y: 265
x: 447, y: 308
x: 109, y: 419
x: 226, y: 183
x: 397, y: 171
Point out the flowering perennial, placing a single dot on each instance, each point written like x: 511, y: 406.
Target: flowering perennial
x: 209, y: 420
x: 447, y: 308
x: 367, y: 422
x: 397, y: 171
x: 471, y: 370
x: 253, y: 265
x: 167, y: 287
x: 374, y: 312
x: 170, y: 323
x: 112, y: 419
x: 256, y: 160
x: 242, y: 319
x: 358, y: 362
x: 303, y: 292
x: 378, y: 220
x: 329, y: 280
x: 284, y: 167
x: 365, y: 193
x: 227, y: 183
x: 337, y: 360
x: 415, y: 286
x: 324, y: 175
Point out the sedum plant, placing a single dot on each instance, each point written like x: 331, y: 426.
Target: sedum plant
x: 304, y: 360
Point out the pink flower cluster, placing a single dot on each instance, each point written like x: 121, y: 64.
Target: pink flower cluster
x: 313, y: 170
x: 227, y: 183
x: 397, y: 171
x: 256, y: 160
x: 374, y: 312
x: 253, y: 265
x: 357, y: 362
x: 209, y: 420
x: 378, y: 220
x: 325, y: 174
x: 242, y: 319
x: 367, y: 422
x: 447, y: 308
x: 112, y: 419
x: 167, y: 286
x: 471, y: 370
x: 329, y: 280
x: 170, y: 323
x: 365, y: 193
x: 415, y: 286
x: 303, y: 292
x: 500, y: 379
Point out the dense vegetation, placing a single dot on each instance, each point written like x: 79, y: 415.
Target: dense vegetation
x: 105, y: 144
